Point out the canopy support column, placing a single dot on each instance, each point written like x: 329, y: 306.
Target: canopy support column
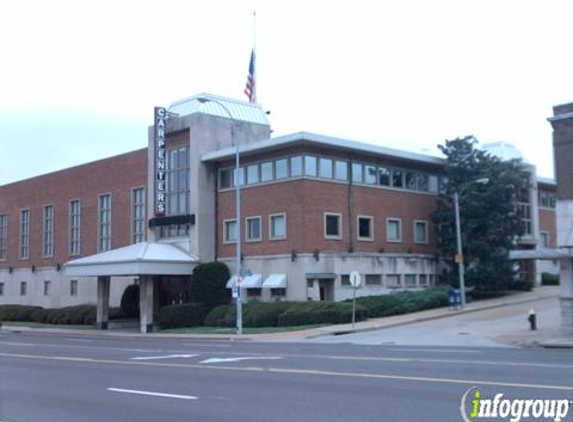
x: 146, y: 303
x: 102, y: 313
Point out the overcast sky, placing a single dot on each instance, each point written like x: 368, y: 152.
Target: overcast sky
x: 79, y: 79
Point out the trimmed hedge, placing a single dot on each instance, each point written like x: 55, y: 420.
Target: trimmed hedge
x: 548, y: 279
x: 183, y: 315
x: 306, y: 313
x: 73, y: 315
x: 255, y: 314
x: 404, y: 302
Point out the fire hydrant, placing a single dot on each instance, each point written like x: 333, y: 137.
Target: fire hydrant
x: 532, y: 318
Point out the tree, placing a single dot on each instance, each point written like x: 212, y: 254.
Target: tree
x: 208, y: 284
x: 490, y: 214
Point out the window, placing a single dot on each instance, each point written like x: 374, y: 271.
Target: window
x: 138, y: 210
x: 357, y: 176
x: 104, y: 223
x: 239, y: 176
x: 24, y: 234
x: 253, y: 174
x: 345, y: 280
x: 546, y: 199
x: 3, y: 237
x: 393, y: 281
x: 411, y: 180
x: 397, y: 181
x: 1, y: 289
x: 423, y: 279
x: 420, y: 231
x: 281, y: 169
x: 365, y: 228
x: 254, y: 292
x: 433, y: 183
x: 384, y: 176
x: 278, y: 292
x: 332, y: 226
x: 74, y: 223
x: 393, y: 230
x: 410, y: 280
x: 326, y: 168
x: 230, y: 231
x: 310, y: 165
x: 423, y: 182
x: 267, y: 171
x: 23, y: 288
x: 46, y: 288
x: 48, y: 232
x: 226, y: 178
x: 296, y: 166
x: 73, y: 287
x: 254, y: 232
x: 277, y: 226
x: 370, y: 175
x: 544, y: 239
x: 341, y: 170
x: 373, y: 280
x: 177, y: 175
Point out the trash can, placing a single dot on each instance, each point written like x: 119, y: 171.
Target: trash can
x: 454, y: 298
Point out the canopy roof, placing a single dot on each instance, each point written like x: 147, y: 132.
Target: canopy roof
x: 542, y: 253
x: 142, y: 258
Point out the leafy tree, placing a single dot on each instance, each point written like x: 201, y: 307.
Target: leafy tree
x: 490, y: 216
x: 208, y: 284
x: 129, y: 304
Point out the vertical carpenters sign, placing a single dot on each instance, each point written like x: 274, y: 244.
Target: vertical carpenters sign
x: 160, y: 161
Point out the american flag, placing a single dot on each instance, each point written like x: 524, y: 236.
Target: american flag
x: 250, y: 87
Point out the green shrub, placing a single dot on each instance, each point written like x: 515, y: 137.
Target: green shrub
x: 264, y: 314
x: 548, y: 279
x: 18, y: 312
x: 183, y: 315
x: 74, y: 315
x: 217, y: 316
x: 305, y: 313
x: 208, y: 284
x: 129, y: 304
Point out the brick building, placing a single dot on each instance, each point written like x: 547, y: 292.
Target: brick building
x: 314, y: 208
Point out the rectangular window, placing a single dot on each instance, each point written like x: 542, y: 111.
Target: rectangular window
x: 423, y: 279
x: 357, y: 170
x: 296, y: 166
x: 433, y: 183
x: 254, y: 232
x: 544, y: 239
x: 47, y: 288
x: 138, y: 210
x: 74, y: 223
x: 326, y: 168
x: 240, y: 178
x: 278, y: 292
x: 73, y: 287
x: 177, y: 176
x: 373, y: 280
x: 48, y: 233
x: 365, y: 228
x: 254, y: 292
x: 310, y: 165
x: 410, y: 280
x: 420, y: 231
x: 393, y: 281
x: 341, y: 170
x: 277, y: 226
x: 1, y: 289
x: 23, y: 288
x: 345, y: 280
x: 3, y: 237
x: 384, y: 176
x: 423, y: 182
x: 370, y: 175
x: 281, y: 169
x: 393, y: 230
x: 104, y: 223
x: 397, y: 181
x: 411, y: 180
x: 25, y: 234
x: 230, y: 231
x: 225, y: 178
x: 332, y: 226
x: 253, y: 174
x: 267, y: 171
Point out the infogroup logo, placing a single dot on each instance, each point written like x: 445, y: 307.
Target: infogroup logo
x: 474, y: 407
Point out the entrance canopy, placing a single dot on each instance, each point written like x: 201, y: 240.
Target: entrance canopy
x: 542, y: 253
x: 141, y: 258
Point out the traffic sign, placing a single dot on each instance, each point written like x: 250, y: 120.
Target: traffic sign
x: 355, y: 280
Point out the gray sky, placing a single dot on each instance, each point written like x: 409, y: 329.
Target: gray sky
x: 79, y: 79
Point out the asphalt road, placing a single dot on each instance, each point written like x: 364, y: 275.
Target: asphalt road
x: 67, y: 378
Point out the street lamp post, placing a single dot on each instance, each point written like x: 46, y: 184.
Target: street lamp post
x: 460, y: 256
x: 239, y: 299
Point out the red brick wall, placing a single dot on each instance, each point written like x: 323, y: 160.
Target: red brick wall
x: 116, y: 175
x: 305, y: 202
x: 547, y: 223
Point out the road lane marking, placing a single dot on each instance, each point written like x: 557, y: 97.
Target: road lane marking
x: 208, y: 345
x: 163, y: 357
x: 227, y: 360
x: 435, y: 350
x: 152, y: 393
x: 295, y: 371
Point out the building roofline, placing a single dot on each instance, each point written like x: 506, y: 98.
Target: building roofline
x: 546, y: 180
x: 323, y: 140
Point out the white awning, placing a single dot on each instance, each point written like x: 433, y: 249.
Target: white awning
x: 275, y: 281
x: 142, y: 258
x: 541, y: 253
x: 253, y: 281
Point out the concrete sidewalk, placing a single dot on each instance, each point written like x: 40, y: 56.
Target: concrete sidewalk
x: 371, y: 324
